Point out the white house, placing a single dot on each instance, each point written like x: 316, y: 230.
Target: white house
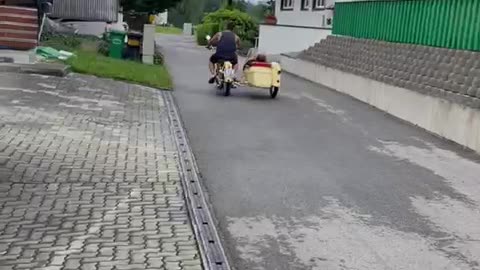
x: 300, y: 24
x: 162, y: 18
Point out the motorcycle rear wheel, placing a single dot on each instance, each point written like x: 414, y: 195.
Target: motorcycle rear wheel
x: 228, y: 88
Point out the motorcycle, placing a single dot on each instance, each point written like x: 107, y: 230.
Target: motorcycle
x: 224, y: 74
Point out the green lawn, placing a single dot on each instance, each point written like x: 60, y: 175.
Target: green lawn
x: 89, y: 60
x: 169, y: 30
x: 92, y: 63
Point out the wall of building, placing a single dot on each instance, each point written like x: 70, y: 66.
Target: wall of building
x: 25, y: 3
x: 86, y: 10
x: 94, y: 28
x: 299, y: 17
x: 18, y: 27
x: 161, y: 18
x: 441, y: 23
x: 275, y: 39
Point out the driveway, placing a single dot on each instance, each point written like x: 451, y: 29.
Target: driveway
x: 317, y: 180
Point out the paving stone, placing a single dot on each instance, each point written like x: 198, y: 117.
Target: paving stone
x: 172, y: 266
x: 131, y: 267
x: 194, y: 267
x: 88, y: 266
x: 191, y: 262
x: 79, y: 174
x: 72, y: 264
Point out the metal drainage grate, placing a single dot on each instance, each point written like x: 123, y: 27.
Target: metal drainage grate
x: 211, y: 249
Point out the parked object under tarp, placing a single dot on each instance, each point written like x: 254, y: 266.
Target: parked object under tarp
x: 86, y: 10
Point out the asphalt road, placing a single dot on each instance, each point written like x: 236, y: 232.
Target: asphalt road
x: 317, y: 180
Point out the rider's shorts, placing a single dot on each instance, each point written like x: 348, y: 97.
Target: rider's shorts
x: 217, y: 58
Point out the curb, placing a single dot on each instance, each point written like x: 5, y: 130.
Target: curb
x: 212, y: 252
x: 57, y: 70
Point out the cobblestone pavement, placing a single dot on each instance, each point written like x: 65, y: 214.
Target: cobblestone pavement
x: 89, y: 177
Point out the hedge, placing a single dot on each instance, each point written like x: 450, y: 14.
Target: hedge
x: 245, y: 26
x: 205, y: 29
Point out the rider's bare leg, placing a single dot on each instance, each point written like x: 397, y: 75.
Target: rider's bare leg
x: 235, y: 69
x: 211, y: 66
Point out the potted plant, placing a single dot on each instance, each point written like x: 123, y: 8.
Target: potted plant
x: 271, y: 19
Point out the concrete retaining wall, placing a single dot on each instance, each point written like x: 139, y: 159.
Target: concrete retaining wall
x: 276, y: 39
x: 445, y: 118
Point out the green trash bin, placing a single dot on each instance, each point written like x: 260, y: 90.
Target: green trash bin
x: 117, y: 43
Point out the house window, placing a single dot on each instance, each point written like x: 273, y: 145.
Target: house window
x: 318, y: 4
x: 287, y: 4
x: 306, y: 4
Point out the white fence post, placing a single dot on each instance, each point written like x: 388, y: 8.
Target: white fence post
x: 148, y: 43
x: 187, y: 29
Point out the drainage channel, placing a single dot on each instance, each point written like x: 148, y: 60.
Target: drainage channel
x: 211, y: 249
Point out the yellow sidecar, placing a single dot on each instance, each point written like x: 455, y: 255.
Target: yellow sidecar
x: 263, y: 75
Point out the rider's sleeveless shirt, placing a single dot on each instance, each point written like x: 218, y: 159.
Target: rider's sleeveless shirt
x: 227, y: 46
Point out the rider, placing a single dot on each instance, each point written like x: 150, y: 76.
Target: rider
x: 227, y: 43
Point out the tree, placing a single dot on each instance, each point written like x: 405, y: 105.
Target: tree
x: 212, y: 5
x: 150, y: 6
x: 190, y: 11
x: 258, y: 11
x: 241, y: 5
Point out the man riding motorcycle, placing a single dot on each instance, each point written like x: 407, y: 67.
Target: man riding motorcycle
x: 227, y: 43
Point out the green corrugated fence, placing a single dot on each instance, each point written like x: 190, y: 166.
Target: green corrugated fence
x: 441, y: 23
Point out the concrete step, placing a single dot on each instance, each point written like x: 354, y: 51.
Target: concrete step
x: 22, y: 34
x: 18, y: 26
x: 37, y: 68
x: 18, y: 10
x: 18, y: 18
x: 19, y: 57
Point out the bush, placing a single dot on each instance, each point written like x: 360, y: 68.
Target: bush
x: 73, y: 42
x: 245, y: 26
x: 158, y: 58
x: 67, y: 41
x: 103, y: 48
